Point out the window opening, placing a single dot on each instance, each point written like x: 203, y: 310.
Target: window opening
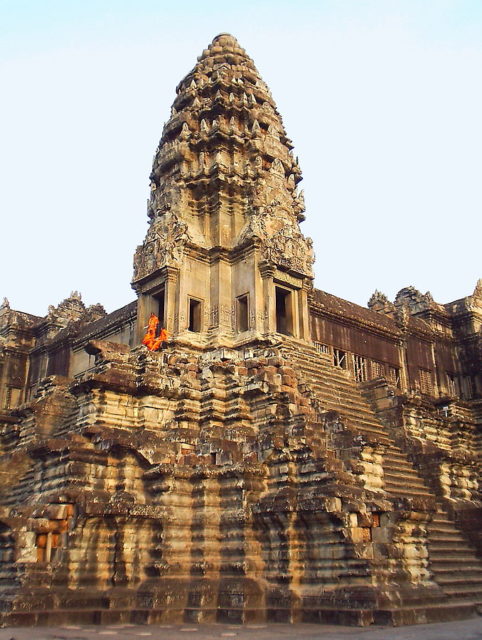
x: 160, y: 311
x: 360, y: 368
x: 425, y: 377
x: 452, y: 384
x: 283, y: 311
x: 467, y: 387
x: 378, y: 369
x: 339, y: 358
x: 322, y: 348
x: 194, y: 315
x: 242, y: 311
x: 394, y: 375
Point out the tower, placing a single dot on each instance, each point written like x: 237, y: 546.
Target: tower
x: 224, y: 261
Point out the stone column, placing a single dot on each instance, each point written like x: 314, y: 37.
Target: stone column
x: 402, y: 358
x: 220, y: 300
x: 171, y: 276
x: 303, y: 311
x: 269, y: 306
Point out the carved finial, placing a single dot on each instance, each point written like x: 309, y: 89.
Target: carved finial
x: 5, y: 304
x: 403, y: 315
x: 95, y: 311
x: 478, y: 289
x: 381, y: 304
x: 301, y: 200
x: 377, y: 296
x: 277, y: 167
x: 414, y: 299
x: 75, y: 295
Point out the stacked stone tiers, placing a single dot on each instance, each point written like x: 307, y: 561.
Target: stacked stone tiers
x: 242, y: 485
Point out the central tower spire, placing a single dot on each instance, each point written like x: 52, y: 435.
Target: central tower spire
x: 224, y: 260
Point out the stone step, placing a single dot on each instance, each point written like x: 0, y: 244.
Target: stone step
x: 347, y: 401
x: 436, y: 540
x: 450, y: 554
x: 405, y: 483
x: 469, y: 571
x: 463, y: 589
x: 444, y: 570
x: 402, y: 475
x: 410, y: 493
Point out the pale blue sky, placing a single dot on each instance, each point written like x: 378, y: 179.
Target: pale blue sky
x: 382, y: 99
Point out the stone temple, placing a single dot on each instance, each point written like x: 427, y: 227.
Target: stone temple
x: 287, y: 456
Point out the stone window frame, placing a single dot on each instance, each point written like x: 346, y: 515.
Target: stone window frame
x: 340, y: 358
x: 377, y: 369
x: 200, y: 301
x: 289, y: 295
x: 452, y: 383
x: 393, y: 374
x: 425, y: 381
x: 238, y: 300
x: 322, y: 348
x: 360, y: 367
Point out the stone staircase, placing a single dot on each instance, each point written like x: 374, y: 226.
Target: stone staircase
x: 454, y: 565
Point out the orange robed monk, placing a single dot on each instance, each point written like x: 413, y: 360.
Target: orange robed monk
x: 150, y: 340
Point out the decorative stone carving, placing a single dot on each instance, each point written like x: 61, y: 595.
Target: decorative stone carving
x: 381, y: 304
x: 69, y: 309
x: 163, y: 245
x: 478, y: 290
x: 284, y: 245
x: 290, y: 249
x: 414, y: 299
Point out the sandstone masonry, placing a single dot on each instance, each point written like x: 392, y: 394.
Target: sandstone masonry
x: 289, y: 456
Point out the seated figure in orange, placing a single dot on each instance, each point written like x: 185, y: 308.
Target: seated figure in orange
x: 151, y: 340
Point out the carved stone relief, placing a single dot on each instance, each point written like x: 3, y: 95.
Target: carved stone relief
x: 289, y: 248
x: 163, y: 245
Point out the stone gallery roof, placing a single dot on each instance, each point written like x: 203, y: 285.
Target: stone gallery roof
x: 346, y: 309
x: 117, y: 317
x: 380, y: 321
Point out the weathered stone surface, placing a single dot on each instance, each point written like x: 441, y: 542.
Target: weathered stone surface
x: 288, y: 455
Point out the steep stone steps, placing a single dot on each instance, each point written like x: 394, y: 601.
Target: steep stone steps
x: 455, y: 567
x: 338, y: 392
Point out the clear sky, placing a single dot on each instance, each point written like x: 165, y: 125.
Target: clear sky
x: 382, y: 99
